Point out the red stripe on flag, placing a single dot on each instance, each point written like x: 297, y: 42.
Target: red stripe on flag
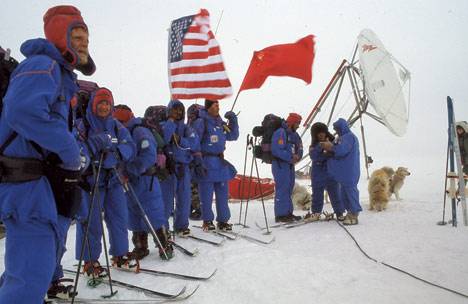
x: 193, y: 84
x: 200, y: 95
x: 194, y: 42
x: 210, y: 68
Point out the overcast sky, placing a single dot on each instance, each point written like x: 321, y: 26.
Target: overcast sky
x: 128, y: 41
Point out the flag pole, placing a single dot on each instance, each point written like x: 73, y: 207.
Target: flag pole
x: 235, y: 100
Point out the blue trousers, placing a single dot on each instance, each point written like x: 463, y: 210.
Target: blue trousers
x: 30, y: 259
x: 112, y: 199
x: 178, y: 187
x: 221, y: 190
x: 350, y: 196
x: 333, y: 189
x: 63, y: 224
x: 148, y: 191
x: 283, y: 174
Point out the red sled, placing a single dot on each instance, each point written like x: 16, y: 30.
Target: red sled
x: 244, y: 187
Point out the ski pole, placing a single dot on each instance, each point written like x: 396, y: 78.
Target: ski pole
x: 128, y: 189
x: 85, y: 237
x: 261, y: 197
x: 250, y: 182
x: 241, y: 184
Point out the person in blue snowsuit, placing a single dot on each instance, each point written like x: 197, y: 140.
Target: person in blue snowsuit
x: 36, y: 125
x: 344, y: 167
x: 217, y: 171
x: 109, y: 140
x: 319, y: 176
x: 286, y: 148
x: 181, y: 141
x: 142, y: 174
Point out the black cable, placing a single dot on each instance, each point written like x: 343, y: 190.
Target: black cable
x: 398, y: 269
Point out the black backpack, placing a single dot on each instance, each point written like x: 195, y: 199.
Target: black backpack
x: 7, y: 66
x: 270, y: 124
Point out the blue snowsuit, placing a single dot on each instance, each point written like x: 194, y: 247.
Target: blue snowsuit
x: 36, y: 106
x: 219, y: 171
x: 146, y: 187
x: 177, y: 185
x: 322, y: 181
x: 344, y: 167
x: 284, y: 144
x: 111, y: 196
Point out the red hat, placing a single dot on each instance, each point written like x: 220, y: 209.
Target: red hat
x: 293, y: 118
x: 101, y: 95
x: 58, y: 23
x: 122, y: 113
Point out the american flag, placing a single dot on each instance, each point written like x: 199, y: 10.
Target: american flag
x: 196, y: 68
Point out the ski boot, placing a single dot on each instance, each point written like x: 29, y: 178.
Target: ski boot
x: 195, y: 215
x: 94, y: 269
x: 167, y: 251
x: 224, y: 226
x: 140, y: 241
x: 208, y: 226
x: 351, y: 219
x: 182, y: 232
x: 340, y: 217
x: 128, y: 262
x: 58, y: 290
x: 313, y: 217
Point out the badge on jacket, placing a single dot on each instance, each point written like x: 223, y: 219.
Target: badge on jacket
x: 280, y: 141
x: 214, y: 138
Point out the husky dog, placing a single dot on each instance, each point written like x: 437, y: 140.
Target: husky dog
x: 301, y: 198
x: 397, y: 181
x: 379, y: 188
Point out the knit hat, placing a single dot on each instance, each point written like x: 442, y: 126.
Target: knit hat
x: 293, y: 118
x: 122, y: 113
x: 101, y: 95
x: 209, y: 103
x: 58, y: 24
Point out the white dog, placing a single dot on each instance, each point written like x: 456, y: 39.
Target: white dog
x: 397, y: 181
x: 301, y: 198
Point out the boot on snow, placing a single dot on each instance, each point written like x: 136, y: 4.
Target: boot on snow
x: 127, y: 261
x: 58, y: 290
x: 94, y: 269
x: 166, y: 252
x: 140, y: 241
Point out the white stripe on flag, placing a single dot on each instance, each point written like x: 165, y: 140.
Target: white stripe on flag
x: 196, y: 62
x: 197, y: 36
x: 200, y: 76
x: 200, y: 48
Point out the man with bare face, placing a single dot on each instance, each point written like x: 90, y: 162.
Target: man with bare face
x: 40, y: 156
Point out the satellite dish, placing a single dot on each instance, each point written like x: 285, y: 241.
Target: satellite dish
x: 384, y: 86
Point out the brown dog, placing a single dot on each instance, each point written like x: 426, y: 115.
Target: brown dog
x: 379, y: 188
x: 397, y: 181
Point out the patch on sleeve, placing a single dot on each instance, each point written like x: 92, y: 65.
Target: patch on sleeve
x: 145, y: 144
x: 214, y: 138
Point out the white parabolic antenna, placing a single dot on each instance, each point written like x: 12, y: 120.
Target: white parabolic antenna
x: 383, y: 86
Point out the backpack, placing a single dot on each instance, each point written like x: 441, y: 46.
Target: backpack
x: 270, y: 124
x: 7, y: 66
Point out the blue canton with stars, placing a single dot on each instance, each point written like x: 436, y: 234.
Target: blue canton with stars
x: 179, y: 28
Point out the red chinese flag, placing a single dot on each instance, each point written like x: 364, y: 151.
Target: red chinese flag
x: 292, y: 59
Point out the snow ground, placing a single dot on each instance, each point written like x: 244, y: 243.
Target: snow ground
x: 319, y: 262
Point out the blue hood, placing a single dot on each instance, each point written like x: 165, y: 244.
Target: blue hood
x: 133, y: 122
x: 175, y: 103
x: 98, y: 124
x: 42, y: 46
x: 341, y: 126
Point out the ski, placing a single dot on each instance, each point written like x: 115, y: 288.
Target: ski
x: 212, y: 242
x: 277, y: 225
x: 252, y: 238
x: 117, y: 301
x: 149, y: 292
x: 218, y: 232
x: 178, y: 275
x: 185, y: 250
